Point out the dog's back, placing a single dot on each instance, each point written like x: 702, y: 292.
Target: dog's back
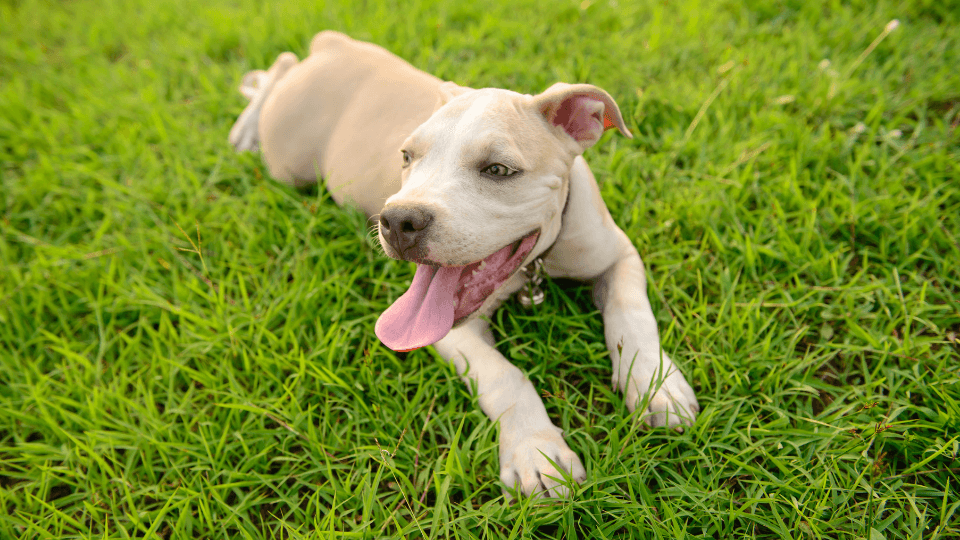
x: 345, y: 110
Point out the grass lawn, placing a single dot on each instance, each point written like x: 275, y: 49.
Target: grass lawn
x: 187, y: 347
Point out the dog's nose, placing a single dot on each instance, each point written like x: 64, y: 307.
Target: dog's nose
x: 404, y: 226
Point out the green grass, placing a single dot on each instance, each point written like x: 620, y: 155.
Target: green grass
x: 187, y: 348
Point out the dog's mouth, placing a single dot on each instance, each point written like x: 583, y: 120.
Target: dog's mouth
x: 441, y: 297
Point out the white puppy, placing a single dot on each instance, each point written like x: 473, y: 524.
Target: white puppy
x: 474, y: 186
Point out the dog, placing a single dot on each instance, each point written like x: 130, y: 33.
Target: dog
x: 476, y: 187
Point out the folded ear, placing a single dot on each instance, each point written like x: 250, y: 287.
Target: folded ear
x: 582, y: 110
x: 450, y: 90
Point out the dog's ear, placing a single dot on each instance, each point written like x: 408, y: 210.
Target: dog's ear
x: 582, y: 110
x: 450, y: 90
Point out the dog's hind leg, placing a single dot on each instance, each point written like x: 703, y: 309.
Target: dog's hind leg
x: 256, y: 86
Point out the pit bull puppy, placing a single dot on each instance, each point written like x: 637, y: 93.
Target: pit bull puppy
x: 475, y: 187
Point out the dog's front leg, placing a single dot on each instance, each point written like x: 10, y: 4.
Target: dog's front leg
x: 640, y: 366
x: 528, y: 440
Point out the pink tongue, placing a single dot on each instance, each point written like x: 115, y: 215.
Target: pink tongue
x: 424, y: 313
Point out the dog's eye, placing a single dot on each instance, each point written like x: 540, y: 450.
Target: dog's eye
x: 407, y: 158
x: 499, y: 169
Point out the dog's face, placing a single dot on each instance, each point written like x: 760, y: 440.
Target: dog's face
x: 484, y: 184
x: 488, y: 171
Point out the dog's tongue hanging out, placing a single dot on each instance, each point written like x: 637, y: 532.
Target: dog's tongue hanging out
x: 424, y: 313
x: 441, y: 295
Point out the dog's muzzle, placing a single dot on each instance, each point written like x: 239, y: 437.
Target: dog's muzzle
x: 403, y: 228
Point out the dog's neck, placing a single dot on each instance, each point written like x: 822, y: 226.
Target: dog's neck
x: 531, y: 294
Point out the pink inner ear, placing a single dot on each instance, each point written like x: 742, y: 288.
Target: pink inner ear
x: 581, y: 117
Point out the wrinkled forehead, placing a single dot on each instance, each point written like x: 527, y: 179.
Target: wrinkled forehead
x: 476, y: 113
x: 490, y: 118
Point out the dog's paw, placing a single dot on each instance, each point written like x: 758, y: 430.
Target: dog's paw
x: 252, y: 83
x: 672, y: 403
x: 245, y: 135
x: 525, y: 462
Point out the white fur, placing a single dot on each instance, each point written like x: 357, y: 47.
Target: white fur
x: 348, y: 109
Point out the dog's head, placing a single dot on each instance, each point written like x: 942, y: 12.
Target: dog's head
x: 484, y: 184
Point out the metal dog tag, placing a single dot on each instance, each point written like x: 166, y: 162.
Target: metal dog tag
x: 532, y: 295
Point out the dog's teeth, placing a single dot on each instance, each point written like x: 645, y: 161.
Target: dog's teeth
x: 483, y: 264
